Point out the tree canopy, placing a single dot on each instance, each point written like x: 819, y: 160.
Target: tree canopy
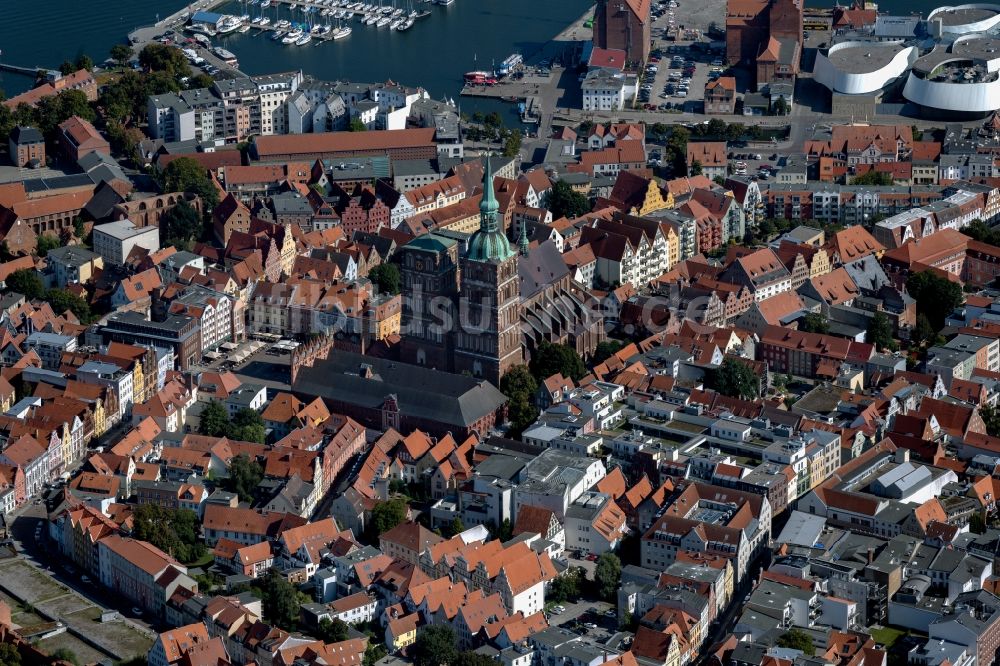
x: 186, y: 175
x: 387, y: 515
x: 564, y: 201
x: 174, y: 531
x: 332, y: 631
x: 386, y: 277
x: 155, y: 57
x: 550, y: 359
x: 280, y: 601
x: 246, y: 425
x: 244, y: 477
x: 936, y: 296
x: 607, y: 575
x: 983, y: 233
x: 814, y: 322
x: 520, y: 386
x: 605, y: 350
x: 734, y: 379
x: 435, y: 646
x: 181, y: 226
x: 26, y: 281
x: 880, y: 332
x: 796, y: 639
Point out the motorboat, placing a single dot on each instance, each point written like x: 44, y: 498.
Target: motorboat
x: 303, y: 40
x: 292, y: 36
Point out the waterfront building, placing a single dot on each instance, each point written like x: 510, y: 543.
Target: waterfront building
x: 623, y: 25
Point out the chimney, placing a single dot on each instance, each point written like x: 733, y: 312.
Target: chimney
x: 871, y: 555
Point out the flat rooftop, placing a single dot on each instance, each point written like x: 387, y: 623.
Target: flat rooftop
x: 963, y: 16
x: 865, y: 58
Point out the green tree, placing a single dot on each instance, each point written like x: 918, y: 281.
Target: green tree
x: 155, y: 57
x: 493, y: 120
x: 564, y: 201
x: 27, y: 282
x: 796, y: 639
x: 923, y: 331
x: 62, y: 300
x: 916, y: 133
x: 607, y: 575
x: 520, y: 386
x: 814, y: 322
x: 387, y: 515
x: 977, y: 525
x: 991, y: 417
x: 214, y: 420
x: 456, y: 526
x: 605, y: 350
x: 247, y: 426
x: 84, y: 61
x: 280, y: 602
x: 356, y: 125
x: 982, y: 232
x: 244, y: 477
x: 872, y: 177
x: 675, y: 150
x: 121, y: 54
x: 781, y: 107
x: 174, y: 531
x: 186, y: 175
x: 51, y: 111
x: 936, y: 296
x: 47, y: 243
x: 79, y: 227
x: 9, y: 656
x: 567, y: 587
x: 512, y: 143
x: 66, y: 68
x: 469, y: 658
x: 386, y: 277
x: 550, y: 359
x: 374, y: 653
x: 880, y: 332
x: 6, y: 123
x: 435, y: 646
x: 181, y: 226
x: 695, y: 169
x: 124, y: 99
x: 332, y: 631
x: 734, y: 379
x: 200, y: 80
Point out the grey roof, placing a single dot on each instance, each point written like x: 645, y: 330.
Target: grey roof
x: 542, y: 267
x: 420, y: 392
x: 21, y: 135
x: 72, y: 255
x: 802, y: 529
x: 290, y: 203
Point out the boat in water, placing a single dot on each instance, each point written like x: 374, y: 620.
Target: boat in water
x: 244, y: 29
x: 405, y: 25
x: 444, y: 2
x: 340, y: 33
x: 228, y: 24
x: 303, y: 40
x: 396, y: 22
x: 265, y: 4
x: 291, y: 37
x: 383, y: 21
x: 225, y: 56
x: 278, y: 34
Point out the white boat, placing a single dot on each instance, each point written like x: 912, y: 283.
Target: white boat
x: 405, y: 25
x: 396, y: 22
x: 325, y: 12
x: 444, y: 2
x: 372, y: 19
x: 342, y: 32
x: 257, y: 20
x: 293, y: 7
x: 397, y: 12
x: 244, y: 29
x: 264, y: 21
x: 303, y: 40
x: 387, y: 10
x: 291, y: 37
x: 265, y: 4
x: 382, y: 22
x: 278, y: 34
x: 282, y: 24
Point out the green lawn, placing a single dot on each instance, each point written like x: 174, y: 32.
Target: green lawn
x: 887, y: 636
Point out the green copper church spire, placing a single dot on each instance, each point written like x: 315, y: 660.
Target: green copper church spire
x: 489, y: 243
x: 488, y: 207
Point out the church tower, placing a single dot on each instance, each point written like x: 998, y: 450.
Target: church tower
x: 488, y: 341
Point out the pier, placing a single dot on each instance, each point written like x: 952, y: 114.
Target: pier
x: 27, y: 71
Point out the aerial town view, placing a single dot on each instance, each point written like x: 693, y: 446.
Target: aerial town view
x: 499, y: 333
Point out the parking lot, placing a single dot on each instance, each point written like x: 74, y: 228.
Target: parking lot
x: 677, y: 79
